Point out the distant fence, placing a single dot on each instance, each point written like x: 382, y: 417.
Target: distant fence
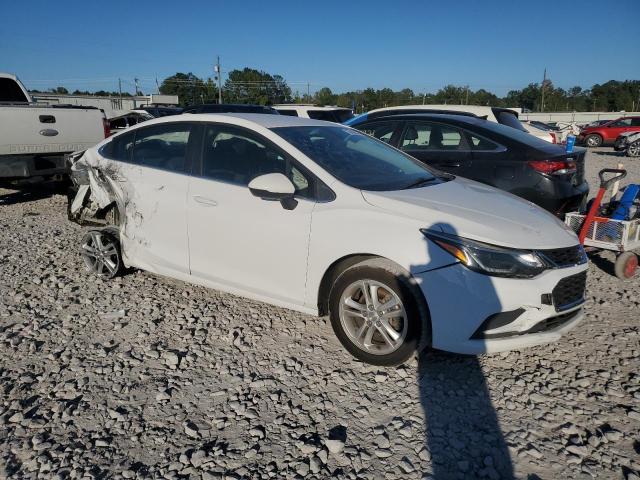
x: 577, y: 117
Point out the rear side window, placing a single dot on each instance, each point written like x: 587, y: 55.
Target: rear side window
x: 380, y: 130
x: 635, y: 122
x: 10, y: 91
x: 623, y: 122
x: 290, y: 113
x: 119, y: 148
x: 162, y: 146
x: 432, y: 136
x: 481, y: 144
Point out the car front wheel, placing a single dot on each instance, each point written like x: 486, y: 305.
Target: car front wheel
x: 593, y: 140
x: 375, y: 314
x: 100, y: 250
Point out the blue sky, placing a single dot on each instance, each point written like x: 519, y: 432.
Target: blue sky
x: 424, y: 45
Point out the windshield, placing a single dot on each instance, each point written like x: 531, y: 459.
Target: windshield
x: 337, y: 116
x: 357, y: 159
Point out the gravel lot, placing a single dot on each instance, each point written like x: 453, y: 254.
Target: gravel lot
x: 147, y: 377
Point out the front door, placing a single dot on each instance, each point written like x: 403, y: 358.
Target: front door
x: 441, y: 146
x: 240, y: 241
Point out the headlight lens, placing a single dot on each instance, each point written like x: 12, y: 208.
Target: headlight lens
x: 489, y: 259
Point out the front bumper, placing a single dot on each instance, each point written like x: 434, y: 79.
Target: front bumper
x: 460, y: 301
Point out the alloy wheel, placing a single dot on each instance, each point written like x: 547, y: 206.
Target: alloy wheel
x: 101, y: 254
x: 373, y: 317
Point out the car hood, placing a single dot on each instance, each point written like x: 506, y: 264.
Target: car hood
x: 479, y: 212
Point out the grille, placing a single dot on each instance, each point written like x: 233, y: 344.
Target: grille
x: 553, y: 323
x: 565, y: 257
x: 569, y: 291
x: 611, y: 231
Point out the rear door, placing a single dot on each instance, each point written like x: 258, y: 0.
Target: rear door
x: 155, y: 231
x: 438, y: 145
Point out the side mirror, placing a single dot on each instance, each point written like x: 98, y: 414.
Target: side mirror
x: 274, y: 186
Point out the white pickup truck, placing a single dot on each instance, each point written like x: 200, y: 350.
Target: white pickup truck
x: 34, y: 137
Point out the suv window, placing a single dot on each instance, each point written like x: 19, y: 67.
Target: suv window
x: 623, y: 122
x: 234, y: 155
x: 337, y: 116
x: 162, y: 146
x: 380, y: 130
x: 432, y: 136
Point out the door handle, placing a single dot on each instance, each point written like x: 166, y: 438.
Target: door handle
x: 205, y: 201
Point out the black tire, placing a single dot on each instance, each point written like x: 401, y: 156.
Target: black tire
x: 594, y: 140
x: 626, y: 265
x: 387, y: 273
x: 633, y: 150
x: 103, y: 259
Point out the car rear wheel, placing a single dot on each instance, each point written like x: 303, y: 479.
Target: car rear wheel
x: 593, y: 140
x: 375, y: 315
x: 100, y: 250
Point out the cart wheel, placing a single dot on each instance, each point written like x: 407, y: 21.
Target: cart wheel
x: 626, y: 265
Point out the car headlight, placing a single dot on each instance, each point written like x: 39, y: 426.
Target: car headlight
x: 489, y: 259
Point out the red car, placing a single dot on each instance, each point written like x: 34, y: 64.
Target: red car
x: 607, y: 133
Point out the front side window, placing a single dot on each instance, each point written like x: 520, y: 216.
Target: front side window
x: 356, y: 159
x: 432, y: 136
x: 380, y: 130
x: 162, y: 146
x: 237, y: 156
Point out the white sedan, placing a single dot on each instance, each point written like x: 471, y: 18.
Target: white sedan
x: 323, y: 219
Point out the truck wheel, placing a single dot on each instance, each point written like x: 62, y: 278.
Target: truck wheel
x: 626, y: 265
x: 633, y: 150
x: 593, y: 140
x: 100, y: 250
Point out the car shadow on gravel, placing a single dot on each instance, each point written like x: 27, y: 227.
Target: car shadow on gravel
x: 462, y: 432
x: 610, y: 153
x: 31, y: 194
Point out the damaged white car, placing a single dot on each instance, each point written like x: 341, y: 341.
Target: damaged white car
x: 323, y: 219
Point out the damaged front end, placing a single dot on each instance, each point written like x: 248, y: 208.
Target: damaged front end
x: 95, y: 199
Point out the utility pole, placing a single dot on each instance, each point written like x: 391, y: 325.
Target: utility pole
x: 157, y: 86
x: 467, y: 99
x: 218, y: 73
x: 544, y: 84
x: 135, y: 80
x: 424, y: 97
x: 120, y: 91
x: 308, y: 93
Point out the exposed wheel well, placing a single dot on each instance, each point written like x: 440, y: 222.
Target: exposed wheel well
x: 340, y: 265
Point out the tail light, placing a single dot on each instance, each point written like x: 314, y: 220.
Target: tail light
x: 553, y: 138
x: 554, y: 167
x: 105, y: 127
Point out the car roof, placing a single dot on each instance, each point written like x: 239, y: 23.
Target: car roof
x: 243, y: 119
x: 474, y: 120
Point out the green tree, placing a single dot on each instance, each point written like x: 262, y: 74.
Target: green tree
x: 189, y: 88
x: 254, y: 86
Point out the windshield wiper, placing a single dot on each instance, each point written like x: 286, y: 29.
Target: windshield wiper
x: 420, y: 182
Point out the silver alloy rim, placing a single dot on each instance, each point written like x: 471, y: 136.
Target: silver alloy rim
x: 634, y: 149
x: 100, y: 254
x: 593, y: 141
x: 373, y: 317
